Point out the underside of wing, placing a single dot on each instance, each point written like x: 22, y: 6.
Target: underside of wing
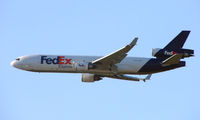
x: 86, y: 77
x: 131, y: 78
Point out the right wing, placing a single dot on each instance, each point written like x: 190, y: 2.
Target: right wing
x: 114, y: 58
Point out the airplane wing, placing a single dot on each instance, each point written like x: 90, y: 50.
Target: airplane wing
x: 87, y: 77
x: 115, y: 57
x: 126, y: 77
x: 174, y: 59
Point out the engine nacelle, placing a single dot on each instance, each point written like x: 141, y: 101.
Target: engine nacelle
x: 157, y: 52
x: 154, y: 51
x: 90, y: 77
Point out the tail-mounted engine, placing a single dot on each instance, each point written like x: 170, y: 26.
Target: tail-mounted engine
x: 163, y: 53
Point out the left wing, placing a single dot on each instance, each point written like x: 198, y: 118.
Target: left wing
x: 87, y: 77
x: 126, y: 77
x: 116, y: 57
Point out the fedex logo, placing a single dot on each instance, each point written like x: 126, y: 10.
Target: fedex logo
x: 57, y: 60
x: 170, y: 53
x: 81, y: 65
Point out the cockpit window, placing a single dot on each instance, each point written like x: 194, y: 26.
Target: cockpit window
x: 18, y: 59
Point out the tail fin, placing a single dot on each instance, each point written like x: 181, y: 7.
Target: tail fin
x: 178, y: 41
x: 174, y: 47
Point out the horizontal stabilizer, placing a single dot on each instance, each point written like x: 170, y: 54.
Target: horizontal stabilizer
x: 174, y: 59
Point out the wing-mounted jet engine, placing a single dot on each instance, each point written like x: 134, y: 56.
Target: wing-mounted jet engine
x: 87, y: 77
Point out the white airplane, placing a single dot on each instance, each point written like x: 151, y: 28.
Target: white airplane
x: 115, y: 65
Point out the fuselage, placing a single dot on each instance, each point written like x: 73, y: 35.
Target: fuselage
x: 79, y: 64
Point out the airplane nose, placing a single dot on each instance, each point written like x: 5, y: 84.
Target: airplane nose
x: 13, y: 63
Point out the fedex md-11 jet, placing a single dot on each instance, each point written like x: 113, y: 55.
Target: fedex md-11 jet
x: 115, y: 65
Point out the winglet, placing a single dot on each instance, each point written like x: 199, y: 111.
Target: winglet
x: 147, y: 77
x: 133, y: 42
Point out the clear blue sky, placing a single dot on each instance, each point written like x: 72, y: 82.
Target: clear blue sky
x: 96, y: 27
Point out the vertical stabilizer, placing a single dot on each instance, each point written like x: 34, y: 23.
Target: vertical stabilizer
x: 174, y: 47
x: 178, y: 41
